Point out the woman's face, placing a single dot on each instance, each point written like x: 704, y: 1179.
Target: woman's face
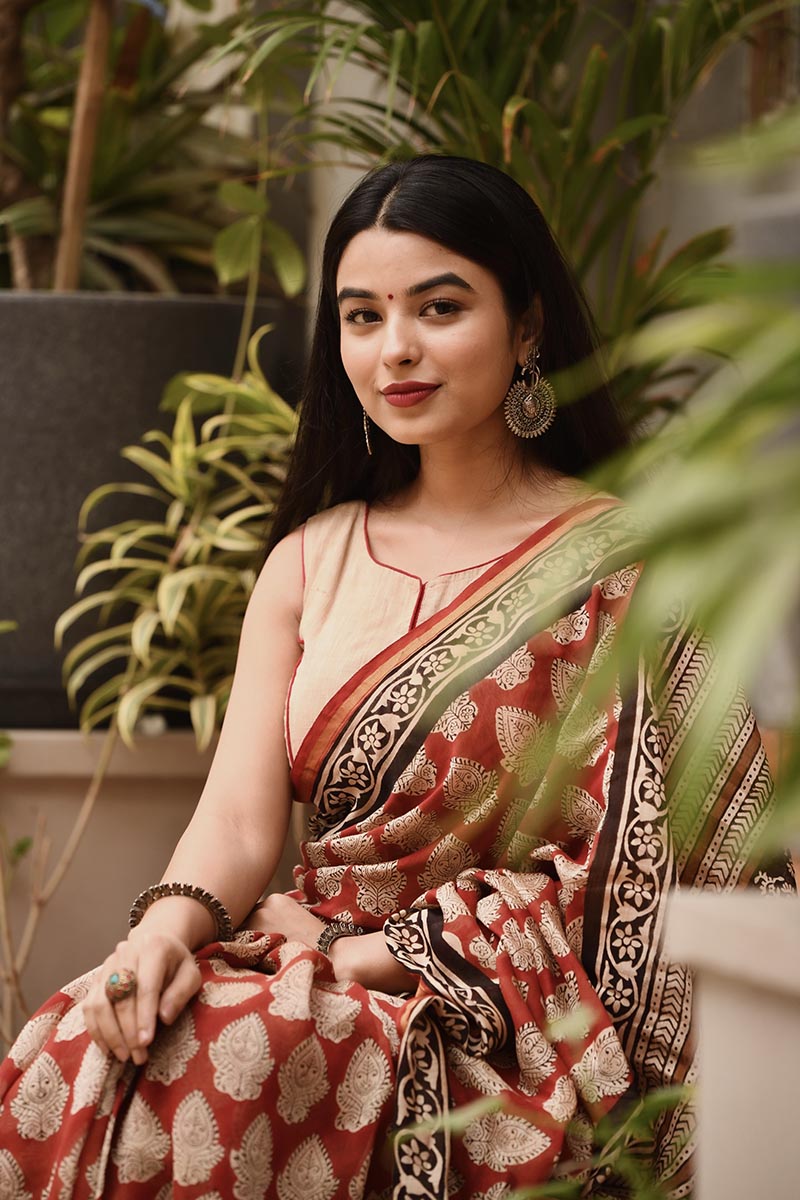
x: 425, y: 338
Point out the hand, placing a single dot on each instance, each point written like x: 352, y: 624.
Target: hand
x: 167, y: 976
x: 282, y: 914
x: 366, y: 959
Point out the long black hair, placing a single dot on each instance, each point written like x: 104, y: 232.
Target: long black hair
x: 481, y: 214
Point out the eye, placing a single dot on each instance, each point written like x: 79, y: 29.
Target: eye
x: 442, y: 307
x: 354, y: 317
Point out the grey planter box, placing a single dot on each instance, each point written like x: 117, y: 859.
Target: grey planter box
x: 81, y: 376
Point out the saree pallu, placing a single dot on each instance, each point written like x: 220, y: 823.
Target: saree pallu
x: 507, y: 827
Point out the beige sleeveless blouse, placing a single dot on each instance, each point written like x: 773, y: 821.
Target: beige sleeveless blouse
x: 353, y: 607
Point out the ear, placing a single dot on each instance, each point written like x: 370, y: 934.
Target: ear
x: 531, y: 329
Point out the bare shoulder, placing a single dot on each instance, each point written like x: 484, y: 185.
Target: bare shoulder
x: 279, y: 588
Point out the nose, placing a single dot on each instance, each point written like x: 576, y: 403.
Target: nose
x: 400, y: 344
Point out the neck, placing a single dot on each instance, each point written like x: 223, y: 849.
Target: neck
x: 466, y: 476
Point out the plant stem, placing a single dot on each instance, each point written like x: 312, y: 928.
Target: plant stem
x: 43, y: 892
x: 469, y: 117
x: 623, y: 273
x: 88, y: 106
x: 252, y: 279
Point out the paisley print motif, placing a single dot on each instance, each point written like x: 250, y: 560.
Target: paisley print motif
x: 142, y: 1145
x: 602, y: 1070
x: 563, y: 1010
x: 457, y: 719
x: 173, y: 1050
x: 308, y: 1174
x: 328, y: 881
x: 32, y: 1038
x: 581, y: 738
x: 619, y: 583
x: 303, y: 1081
x: 291, y: 997
x: 582, y: 813
x: 12, y: 1181
x: 334, y: 1014
x: 537, y: 1057
x: 470, y: 789
x: 502, y: 1141
x: 242, y: 1058
x: 195, y: 1140
x: 71, y: 1025
x: 364, y: 1089
x: 563, y: 1101
x: 526, y: 742
x: 418, y: 777
x: 565, y: 680
x: 41, y: 1099
x: 252, y: 1162
x: 515, y: 670
x: 91, y: 1076
x: 227, y: 995
x: 475, y: 1072
x: 448, y: 859
x: 571, y: 628
x: 378, y: 887
x: 412, y: 830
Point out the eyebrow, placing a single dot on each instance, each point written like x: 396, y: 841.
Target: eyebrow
x: 447, y: 277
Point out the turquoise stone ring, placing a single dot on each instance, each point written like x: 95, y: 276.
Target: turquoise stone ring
x: 120, y: 984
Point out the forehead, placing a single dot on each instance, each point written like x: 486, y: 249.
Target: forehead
x: 386, y: 260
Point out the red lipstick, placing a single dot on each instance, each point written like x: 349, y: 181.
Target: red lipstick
x: 408, y: 393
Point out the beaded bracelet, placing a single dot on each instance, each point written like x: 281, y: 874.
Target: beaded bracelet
x: 222, y: 920
x: 335, y: 930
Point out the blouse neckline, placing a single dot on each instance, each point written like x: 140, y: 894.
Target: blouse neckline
x: 410, y: 574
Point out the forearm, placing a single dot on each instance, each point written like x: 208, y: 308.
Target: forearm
x: 367, y: 960
x: 232, y: 860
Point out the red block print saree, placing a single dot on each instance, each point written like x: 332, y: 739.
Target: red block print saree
x: 475, y: 798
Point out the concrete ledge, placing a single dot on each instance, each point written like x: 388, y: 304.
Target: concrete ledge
x: 69, y: 754
x: 744, y: 936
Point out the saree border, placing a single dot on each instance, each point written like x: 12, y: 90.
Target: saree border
x: 375, y: 741
x: 349, y: 700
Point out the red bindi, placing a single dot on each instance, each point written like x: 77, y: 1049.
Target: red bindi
x: 390, y: 296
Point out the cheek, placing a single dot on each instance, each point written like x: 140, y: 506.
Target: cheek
x: 356, y: 358
x: 487, y: 354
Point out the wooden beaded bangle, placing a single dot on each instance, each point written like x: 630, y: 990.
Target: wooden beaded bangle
x: 222, y: 920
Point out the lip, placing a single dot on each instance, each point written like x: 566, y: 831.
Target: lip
x: 408, y: 393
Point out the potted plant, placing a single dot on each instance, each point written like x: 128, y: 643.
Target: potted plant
x: 114, y: 181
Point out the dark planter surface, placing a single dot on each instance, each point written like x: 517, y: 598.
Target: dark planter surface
x: 81, y: 376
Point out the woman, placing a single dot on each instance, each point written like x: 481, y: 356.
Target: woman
x: 478, y: 908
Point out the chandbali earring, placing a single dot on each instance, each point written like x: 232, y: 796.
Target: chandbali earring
x: 530, y: 403
x: 366, y: 432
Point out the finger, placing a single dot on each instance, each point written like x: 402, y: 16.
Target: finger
x: 125, y: 1013
x: 108, y: 1027
x: 182, y: 987
x: 91, y: 1006
x: 152, y: 977
x: 107, y: 1014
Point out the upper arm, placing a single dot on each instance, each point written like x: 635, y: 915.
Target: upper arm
x: 249, y: 776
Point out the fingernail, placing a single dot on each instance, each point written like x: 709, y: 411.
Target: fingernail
x: 144, y: 1037
x: 139, y: 1057
x: 122, y: 1055
x: 166, y: 1013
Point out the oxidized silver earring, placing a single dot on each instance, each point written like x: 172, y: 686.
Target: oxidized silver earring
x: 366, y: 432
x: 530, y: 403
